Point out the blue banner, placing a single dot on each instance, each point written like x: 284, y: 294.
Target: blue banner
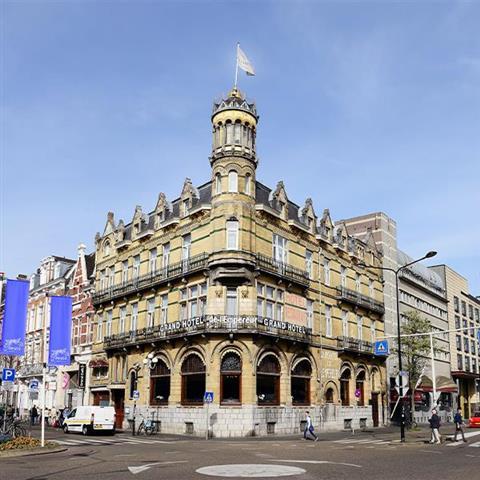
x: 60, y: 331
x: 14, y: 318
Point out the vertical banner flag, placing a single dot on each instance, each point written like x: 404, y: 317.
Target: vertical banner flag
x: 14, y: 318
x: 60, y: 331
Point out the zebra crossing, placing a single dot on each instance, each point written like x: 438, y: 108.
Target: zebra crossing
x: 72, y: 441
x: 368, y: 442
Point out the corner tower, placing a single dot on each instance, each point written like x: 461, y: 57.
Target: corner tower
x: 234, y: 160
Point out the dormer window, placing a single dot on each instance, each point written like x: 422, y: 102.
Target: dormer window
x: 106, y: 248
x: 160, y: 217
x: 185, y: 207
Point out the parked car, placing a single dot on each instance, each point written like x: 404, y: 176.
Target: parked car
x: 90, y: 419
x: 474, y: 420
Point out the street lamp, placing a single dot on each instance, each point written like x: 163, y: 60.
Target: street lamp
x: 150, y: 361
x: 429, y: 254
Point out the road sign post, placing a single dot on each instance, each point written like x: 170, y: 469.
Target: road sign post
x: 8, y: 375
x: 135, y: 396
x: 208, y: 399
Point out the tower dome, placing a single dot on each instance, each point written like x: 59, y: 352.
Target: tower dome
x: 234, y: 121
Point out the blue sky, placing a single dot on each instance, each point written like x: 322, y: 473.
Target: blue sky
x: 363, y: 107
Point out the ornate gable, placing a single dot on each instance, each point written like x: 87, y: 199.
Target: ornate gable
x: 188, y: 197
x: 137, y: 222
x: 110, y: 225
x: 162, y: 209
x: 279, y: 200
x: 308, y: 216
x: 326, y: 225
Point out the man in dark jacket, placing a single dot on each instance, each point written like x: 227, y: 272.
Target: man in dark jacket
x: 458, y: 419
x: 435, y: 426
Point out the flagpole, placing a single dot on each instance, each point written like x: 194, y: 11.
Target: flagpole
x: 236, y: 68
x: 44, y: 375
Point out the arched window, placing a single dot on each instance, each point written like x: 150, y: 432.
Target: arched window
x: 232, y: 234
x: 329, y: 394
x: 218, y: 183
x: 106, y: 248
x: 229, y: 134
x: 300, y: 383
x: 159, y: 383
x: 248, y: 184
x: 359, y: 387
x: 268, y: 381
x: 231, y: 379
x: 193, y: 380
x: 237, y: 133
x: 232, y: 181
x: 133, y: 383
x: 345, y: 387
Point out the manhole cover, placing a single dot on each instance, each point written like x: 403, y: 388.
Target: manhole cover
x: 250, y: 470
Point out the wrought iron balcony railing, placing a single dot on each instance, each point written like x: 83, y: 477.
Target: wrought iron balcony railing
x: 282, y: 270
x: 350, y: 344
x: 149, y: 280
x: 360, y: 300
x: 210, y: 324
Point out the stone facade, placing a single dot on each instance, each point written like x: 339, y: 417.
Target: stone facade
x: 50, y: 279
x: 464, y: 316
x: 233, y: 288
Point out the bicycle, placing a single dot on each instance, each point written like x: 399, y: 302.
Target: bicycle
x: 15, y: 428
x: 147, y: 427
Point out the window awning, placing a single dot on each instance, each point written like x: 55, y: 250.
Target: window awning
x: 98, y: 362
x: 443, y: 384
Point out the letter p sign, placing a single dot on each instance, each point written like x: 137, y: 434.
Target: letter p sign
x: 8, y: 375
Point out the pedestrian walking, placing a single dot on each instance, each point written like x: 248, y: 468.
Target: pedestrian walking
x: 309, y: 428
x: 33, y: 415
x: 459, y: 425
x: 435, y: 426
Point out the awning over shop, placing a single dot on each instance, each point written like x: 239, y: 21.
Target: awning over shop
x: 98, y: 362
x: 99, y: 389
x: 443, y: 384
x: 467, y: 375
x: 116, y: 386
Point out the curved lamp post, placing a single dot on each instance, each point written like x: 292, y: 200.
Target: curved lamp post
x: 396, y: 272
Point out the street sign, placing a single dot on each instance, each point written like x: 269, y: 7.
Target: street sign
x: 381, y: 348
x: 136, y: 395
x: 8, y: 375
x: 358, y: 393
x: 33, y: 386
x: 401, y: 380
x: 208, y: 397
x: 82, y: 374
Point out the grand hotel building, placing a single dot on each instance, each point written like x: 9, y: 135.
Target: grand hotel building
x: 234, y: 289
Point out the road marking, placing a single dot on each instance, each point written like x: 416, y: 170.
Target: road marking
x: 250, y: 470
x: 321, y: 462
x: 142, y: 468
x: 476, y: 444
x: 467, y: 435
x: 431, y: 451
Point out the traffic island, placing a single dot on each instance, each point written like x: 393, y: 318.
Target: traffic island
x: 22, y: 446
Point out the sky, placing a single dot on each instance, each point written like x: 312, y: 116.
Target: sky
x: 364, y: 107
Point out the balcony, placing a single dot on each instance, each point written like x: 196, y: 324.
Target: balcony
x: 282, y: 270
x: 350, y: 344
x: 208, y: 325
x: 359, y: 300
x: 154, y: 279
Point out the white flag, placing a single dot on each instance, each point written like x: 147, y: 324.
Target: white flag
x: 243, y: 62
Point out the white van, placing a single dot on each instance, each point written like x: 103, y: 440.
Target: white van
x: 89, y: 419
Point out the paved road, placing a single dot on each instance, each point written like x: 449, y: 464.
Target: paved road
x: 369, y: 456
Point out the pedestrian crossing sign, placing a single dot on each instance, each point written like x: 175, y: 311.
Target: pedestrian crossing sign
x: 208, y: 397
x: 381, y: 348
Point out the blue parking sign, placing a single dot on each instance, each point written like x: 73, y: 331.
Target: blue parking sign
x: 208, y: 397
x: 381, y: 348
x: 8, y: 375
